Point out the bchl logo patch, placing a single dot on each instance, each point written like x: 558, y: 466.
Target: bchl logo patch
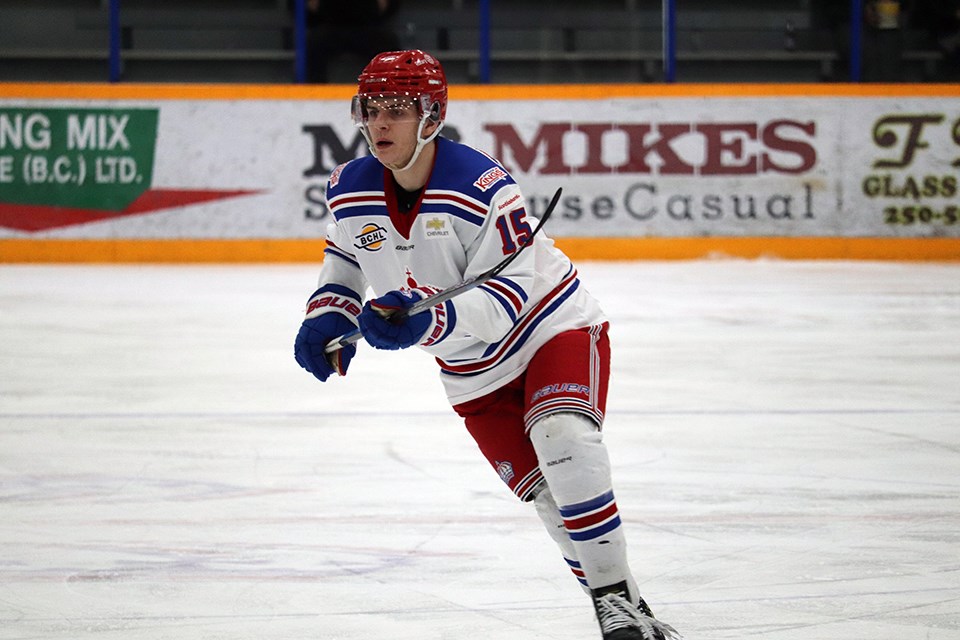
x: 505, y: 469
x: 371, y: 237
x: 489, y: 178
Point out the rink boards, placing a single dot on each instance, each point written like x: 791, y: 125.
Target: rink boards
x: 236, y: 173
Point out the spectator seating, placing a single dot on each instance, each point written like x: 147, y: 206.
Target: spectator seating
x: 603, y: 41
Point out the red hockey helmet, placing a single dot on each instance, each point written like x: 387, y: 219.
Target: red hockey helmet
x: 412, y: 73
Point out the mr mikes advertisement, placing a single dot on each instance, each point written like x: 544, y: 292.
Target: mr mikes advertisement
x: 629, y: 167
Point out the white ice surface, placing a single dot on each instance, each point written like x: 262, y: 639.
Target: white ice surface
x: 785, y: 436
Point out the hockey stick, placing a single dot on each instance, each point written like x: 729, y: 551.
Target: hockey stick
x: 450, y: 292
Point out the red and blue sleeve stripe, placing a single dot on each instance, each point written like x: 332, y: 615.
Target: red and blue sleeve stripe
x: 333, y: 250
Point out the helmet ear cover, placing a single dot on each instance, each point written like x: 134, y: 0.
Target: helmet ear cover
x: 434, y: 111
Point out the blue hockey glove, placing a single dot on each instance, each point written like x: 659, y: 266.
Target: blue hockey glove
x: 331, y: 313
x: 382, y: 330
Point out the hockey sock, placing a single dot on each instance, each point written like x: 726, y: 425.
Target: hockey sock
x: 576, y: 466
x: 550, y: 516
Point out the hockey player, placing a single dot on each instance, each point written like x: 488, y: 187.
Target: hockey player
x: 524, y: 358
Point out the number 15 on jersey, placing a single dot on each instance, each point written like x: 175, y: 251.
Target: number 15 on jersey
x: 514, y: 230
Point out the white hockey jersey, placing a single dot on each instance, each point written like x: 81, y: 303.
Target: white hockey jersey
x: 470, y: 216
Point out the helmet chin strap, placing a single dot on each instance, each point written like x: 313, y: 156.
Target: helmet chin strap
x: 421, y: 141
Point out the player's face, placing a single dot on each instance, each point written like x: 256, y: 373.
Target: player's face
x: 392, y: 124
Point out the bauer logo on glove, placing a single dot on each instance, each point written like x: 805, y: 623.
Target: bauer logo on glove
x: 331, y: 312
x: 333, y: 302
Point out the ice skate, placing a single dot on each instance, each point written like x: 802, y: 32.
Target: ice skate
x: 620, y: 620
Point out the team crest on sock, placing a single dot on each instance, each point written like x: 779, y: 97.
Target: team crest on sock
x: 505, y: 469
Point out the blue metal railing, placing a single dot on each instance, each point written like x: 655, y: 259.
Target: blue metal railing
x: 115, y: 36
x: 300, y: 40
x: 856, y: 39
x: 485, y: 41
x: 669, y: 40
x: 669, y: 17
x: 669, y: 9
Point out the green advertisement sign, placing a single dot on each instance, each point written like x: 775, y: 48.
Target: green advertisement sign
x: 77, y: 158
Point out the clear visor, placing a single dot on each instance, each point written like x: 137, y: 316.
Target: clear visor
x: 393, y: 108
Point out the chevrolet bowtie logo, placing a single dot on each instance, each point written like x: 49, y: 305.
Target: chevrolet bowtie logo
x: 435, y: 223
